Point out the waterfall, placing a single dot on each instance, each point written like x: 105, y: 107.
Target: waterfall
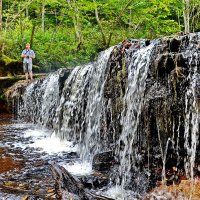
x: 192, y: 113
x: 40, y: 100
x: 81, y: 107
x: 134, y: 101
x: 140, y: 102
x: 70, y: 111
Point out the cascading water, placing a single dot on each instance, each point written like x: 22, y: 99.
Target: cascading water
x: 40, y: 100
x: 138, y: 101
x: 192, y: 113
x: 95, y: 110
x: 70, y: 112
x: 81, y: 107
x: 134, y: 101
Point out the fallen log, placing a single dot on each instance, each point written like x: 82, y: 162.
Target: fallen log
x: 69, y: 187
x: 66, y: 183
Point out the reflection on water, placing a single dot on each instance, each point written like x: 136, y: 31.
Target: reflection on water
x: 8, y: 163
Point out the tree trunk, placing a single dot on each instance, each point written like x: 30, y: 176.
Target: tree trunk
x: 186, y: 15
x: 43, y: 13
x: 32, y: 35
x: 99, y: 24
x: 76, y: 21
x: 21, y: 27
x: 106, y: 42
x: 67, y: 185
x: 14, y: 17
x: 27, y: 12
x: 1, y: 15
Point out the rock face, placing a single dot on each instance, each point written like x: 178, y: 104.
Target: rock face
x: 5, y: 83
x: 140, y: 100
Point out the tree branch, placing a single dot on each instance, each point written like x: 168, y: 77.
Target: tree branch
x: 15, y: 16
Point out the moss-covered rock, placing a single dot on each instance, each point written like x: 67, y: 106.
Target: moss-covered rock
x: 4, y: 84
x: 10, y: 67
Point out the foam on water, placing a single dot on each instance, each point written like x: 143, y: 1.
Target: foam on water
x: 79, y: 169
x: 118, y: 193
x: 35, y: 133
x: 49, y: 144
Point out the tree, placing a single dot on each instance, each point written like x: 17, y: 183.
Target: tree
x: 186, y: 15
x: 75, y: 13
x: 0, y: 15
x: 43, y: 13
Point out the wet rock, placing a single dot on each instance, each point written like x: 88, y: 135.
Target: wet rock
x: 95, y: 181
x: 174, y: 45
x: 66, y: 183
x: 103, y: 161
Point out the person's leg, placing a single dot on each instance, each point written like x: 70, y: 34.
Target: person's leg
x: 30, y: 71
x: 31, y: 75
x: 26, y: 74
x: 25, y: 67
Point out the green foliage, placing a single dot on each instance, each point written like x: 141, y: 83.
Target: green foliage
x: 72, y: 34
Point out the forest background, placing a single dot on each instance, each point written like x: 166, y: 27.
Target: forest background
x: 66, y: 33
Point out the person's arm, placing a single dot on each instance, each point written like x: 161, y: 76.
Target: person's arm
x: 32, y: 54
x: 23, y: 55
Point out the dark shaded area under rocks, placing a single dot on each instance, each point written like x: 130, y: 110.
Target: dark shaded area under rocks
x: 161, y: 140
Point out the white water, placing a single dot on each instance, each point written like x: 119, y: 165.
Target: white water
x: 41, y: 99
x: 118, y: 193
x: 78, y: 168
x: 81, y: 107
x: 90, y: 138
x: 42, y: 140
x: 192, y: 115
x: 70, y: 113
x: 50, y: 144
x: 134, y: 99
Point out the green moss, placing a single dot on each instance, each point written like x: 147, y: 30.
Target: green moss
x: 124, y: 71
x: 8, y: 60
x: 9, y: 66
x: 118, y: 76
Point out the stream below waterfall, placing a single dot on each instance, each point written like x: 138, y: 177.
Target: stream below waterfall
x: 27, y: 151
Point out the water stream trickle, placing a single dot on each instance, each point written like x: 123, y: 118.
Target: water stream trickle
x: 41, y: 99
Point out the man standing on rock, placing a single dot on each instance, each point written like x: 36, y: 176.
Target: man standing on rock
x: 28, y: 55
